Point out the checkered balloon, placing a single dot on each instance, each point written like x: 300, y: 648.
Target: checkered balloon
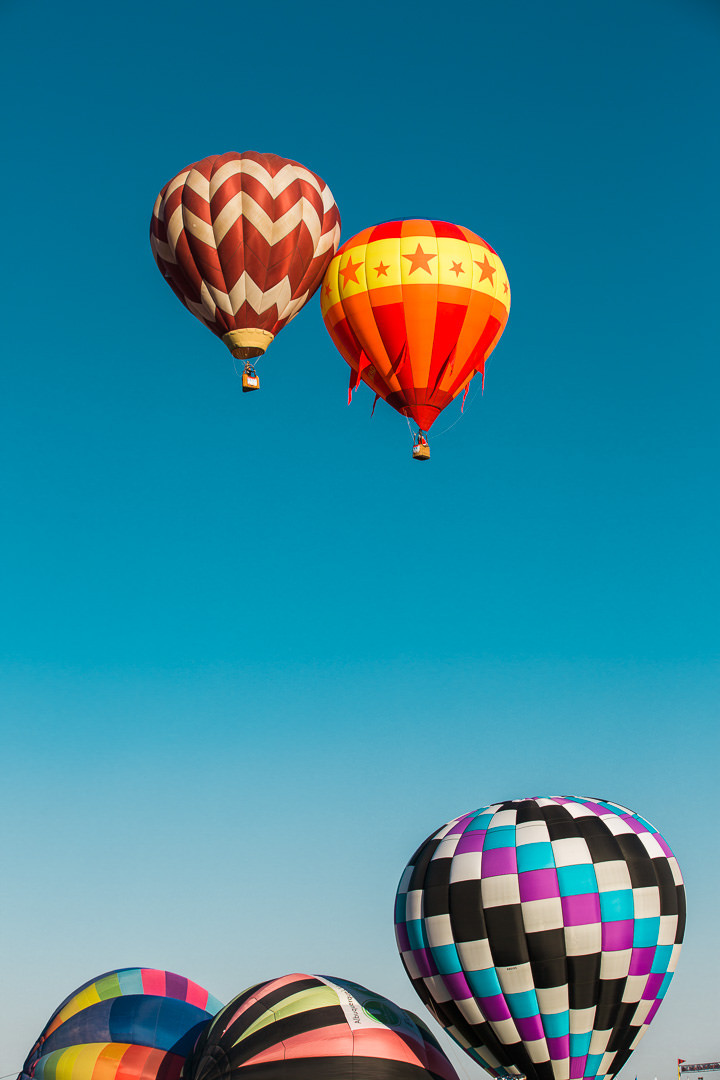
x: 543, y: 933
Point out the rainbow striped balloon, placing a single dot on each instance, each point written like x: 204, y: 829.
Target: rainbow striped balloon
x: 124, y: 1025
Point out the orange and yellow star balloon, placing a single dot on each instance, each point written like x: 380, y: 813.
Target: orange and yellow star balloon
x: 415, y: 308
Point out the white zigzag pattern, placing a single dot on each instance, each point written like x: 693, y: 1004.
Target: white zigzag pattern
x: 274, y: 185
x: 166, y: 251
x: 243, y: 205
x: 245, y: 289
x: 214, y: 299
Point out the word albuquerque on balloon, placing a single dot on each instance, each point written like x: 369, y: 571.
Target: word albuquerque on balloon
x: 244, y: 240
x: 416, y: 308
x: 130, y: 1024
x: 306, y: 1027
x: 543, y: 933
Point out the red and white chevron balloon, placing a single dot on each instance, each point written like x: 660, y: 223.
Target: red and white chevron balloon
x: 244, y: 241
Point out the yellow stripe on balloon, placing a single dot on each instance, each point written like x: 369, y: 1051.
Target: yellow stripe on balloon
x: 489, y: 274
x: 382, y: 262
x: 88, y: 996
x: 302, y: 1001
x: 455, y: 262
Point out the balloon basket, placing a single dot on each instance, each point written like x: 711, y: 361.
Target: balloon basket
x: 421, y: 452
x: 250, y: 380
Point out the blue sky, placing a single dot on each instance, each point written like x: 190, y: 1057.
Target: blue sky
x: 251, y: 653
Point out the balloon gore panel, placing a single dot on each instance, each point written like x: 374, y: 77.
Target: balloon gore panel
x: 307, y: 1027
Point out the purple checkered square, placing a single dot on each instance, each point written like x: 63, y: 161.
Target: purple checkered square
x: 654, y: 1008
x: 581, y: 910
x: 499, y: 861
x: 494, y: 1008
x: 402, y: 937
x: 617, y: 936
x: 641, y: 961
x: 652, y: 986
x: 425, y: 963
x: 538, y: 884
x: 577, y: 1067
x: 462, y: 824
x: 457, y: 986
x: 472, y: 841
x: 529, y: 1028
x: 559, y: 1047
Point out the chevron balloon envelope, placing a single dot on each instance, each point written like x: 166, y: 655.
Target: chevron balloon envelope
x: 244, y: 240
x: 308, y: 1027
x: 129, y: 1024
x: 543, y: 933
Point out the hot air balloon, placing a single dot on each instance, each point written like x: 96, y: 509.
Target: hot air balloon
x: 244, y: 240
x: 306, y: 1027
x: 130, y: 1024
x: 543, y: 933
x: 415, y: 308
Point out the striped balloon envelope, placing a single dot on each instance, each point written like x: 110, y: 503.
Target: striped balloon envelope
x: 130, y: 1024
x: 415, y: 308
x: 543, y: 933
x: 306, y: 1027
x: 243, y: 240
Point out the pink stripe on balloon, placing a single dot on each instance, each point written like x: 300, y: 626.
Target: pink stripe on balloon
x: 153, y: 981
x: 196, y: 995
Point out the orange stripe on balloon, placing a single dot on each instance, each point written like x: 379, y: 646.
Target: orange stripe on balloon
x: 335, y: 1040
x: 387, y: 1044
x: 417, y: 227
x: 108, y: 1061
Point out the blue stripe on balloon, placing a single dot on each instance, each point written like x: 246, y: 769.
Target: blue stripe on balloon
x: 480, y: 822
x: 646, y: 933
x: 617, y: 906
x: 580, y: 1044
x: 214, y: 1005
x: 523, y: 1004
x: 503, y: 836
x: 131, y: 981
x: 555, y: 1025
x: 577, y: 880
x: 416, y: 933
x: 446, y: 959
x: 661, y: 959
x: 535, y: 857
x: 484, y: 983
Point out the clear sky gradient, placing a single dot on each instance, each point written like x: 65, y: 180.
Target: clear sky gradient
x: 251, y: 653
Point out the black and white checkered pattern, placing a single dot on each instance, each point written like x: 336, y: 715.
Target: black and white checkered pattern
x: 543, y: 933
